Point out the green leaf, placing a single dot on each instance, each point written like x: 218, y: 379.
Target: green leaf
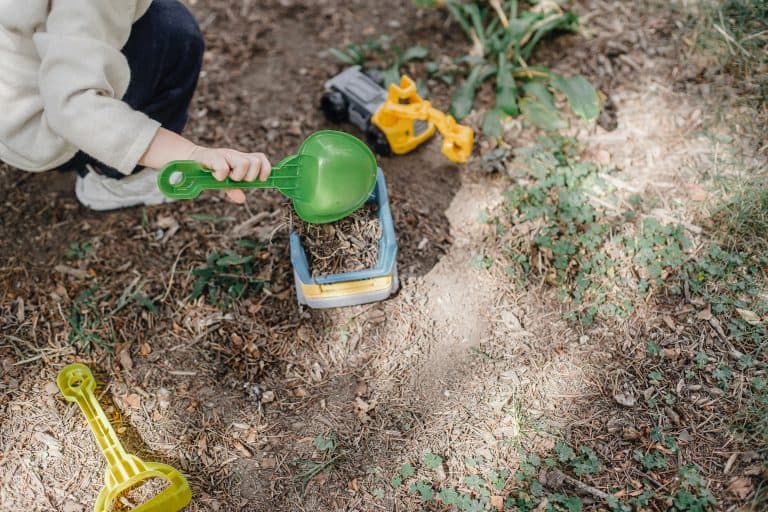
x: 431, y: 461
x: 416, y: 52
x: 146, y: 302
x: 424, y: 488
x: 396, y: 481
x: 506, y: 89
x: 538, y: 89
x: 457, y: 11
x: 581, y: 95
x: 571, y: 503
x: 342, y: 56
x: 564, y: 452
x: 322, y: 443
x: 391, y: 75
x: 378, y: 493
x: 541, y: 115
x: 566, y: 21
x: 407, y: 470
x: 474, y: 481
x: 492, y: 123
x: 233, y: 259
x: 464, y: 96
x: 449, y: 496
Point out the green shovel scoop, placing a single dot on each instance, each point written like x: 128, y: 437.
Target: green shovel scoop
x: 330, y: 177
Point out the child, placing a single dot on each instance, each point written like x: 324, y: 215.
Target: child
x: 103, y: 87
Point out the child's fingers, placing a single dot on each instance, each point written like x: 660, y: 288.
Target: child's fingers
x: 266, y: 167
x: 239, y: 164
x: 253, y: 167
x: 236, y: 195
x: 216, y: 163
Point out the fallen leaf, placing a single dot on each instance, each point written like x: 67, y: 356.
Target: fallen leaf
x: 165, y: 222
x: 74, y: 272
x: 627, y: 399
x: 133, y: 400
x: 125, y: 359
x: 363, y: 405
x: 240, y: 447
x: 748, y: 316
x: 705, y: 314
x: 497, y: 502
x: 352, y: 485
x: 145, y: 349
x: 741, y: 487
x: 669, y: 322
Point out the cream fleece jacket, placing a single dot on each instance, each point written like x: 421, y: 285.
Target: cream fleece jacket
x: 62, y: 77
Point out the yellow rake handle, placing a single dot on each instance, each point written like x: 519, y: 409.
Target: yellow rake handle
x: 124, y: 470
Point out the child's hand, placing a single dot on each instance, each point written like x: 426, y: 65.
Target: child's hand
x: 233, y: 164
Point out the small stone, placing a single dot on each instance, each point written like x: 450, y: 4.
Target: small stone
x: 267, y: 397
x: 71, y: 506
x: 163, y: 398
x: 51, y: 389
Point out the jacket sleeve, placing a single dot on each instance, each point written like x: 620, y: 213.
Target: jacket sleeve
x: 84, y: 75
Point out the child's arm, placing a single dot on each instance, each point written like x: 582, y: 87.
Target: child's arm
x: 167, y: 146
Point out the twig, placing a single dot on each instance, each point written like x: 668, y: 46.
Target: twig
x: 581, y: 486
x: 173, y: 272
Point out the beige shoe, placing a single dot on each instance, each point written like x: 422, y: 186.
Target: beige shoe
x: 101, y: 193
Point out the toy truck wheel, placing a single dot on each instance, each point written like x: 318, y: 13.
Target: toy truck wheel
x: 378, y: 141
x: 334, y: 106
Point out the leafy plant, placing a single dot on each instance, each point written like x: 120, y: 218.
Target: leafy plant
x: 327, y: 446
x: 391, y: 57
x: 226, y: 277
x: 503, y: 37
x: 88, y: 323
x: 78, y: 250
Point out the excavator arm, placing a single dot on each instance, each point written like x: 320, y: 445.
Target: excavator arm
x: 403, y: 106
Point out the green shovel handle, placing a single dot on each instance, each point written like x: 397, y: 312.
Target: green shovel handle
x: 185, y: 179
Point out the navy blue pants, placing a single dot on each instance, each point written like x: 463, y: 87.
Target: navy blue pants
x: 165, y: 54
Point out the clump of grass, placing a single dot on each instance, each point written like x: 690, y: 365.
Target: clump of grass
x: 737, y: 31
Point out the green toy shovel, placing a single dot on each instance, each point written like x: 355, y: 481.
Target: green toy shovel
x: 331, y: 176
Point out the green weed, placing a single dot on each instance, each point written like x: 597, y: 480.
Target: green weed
x: 390, y: 58
x: 226, y: 276
x: 503, y: 37
x: 89, y: 325
x: 78, y: 250
x: 326, y: 446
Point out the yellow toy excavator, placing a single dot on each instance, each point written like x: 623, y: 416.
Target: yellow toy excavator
x: 395, y: 121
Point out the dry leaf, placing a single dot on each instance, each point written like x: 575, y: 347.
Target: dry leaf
x: 741, y: 487
x: 125, y: 359
x: 705, y: 314
x: 133, y: 400
x: 627, y: 399
x: 497, y: 502
x: 145, y: 349
x: 748, y: 316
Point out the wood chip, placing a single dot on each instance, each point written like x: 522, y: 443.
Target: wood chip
x: 73, y: 272
x: 348, y: 245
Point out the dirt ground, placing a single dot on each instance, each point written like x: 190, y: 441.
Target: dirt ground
x: 458, y: 363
